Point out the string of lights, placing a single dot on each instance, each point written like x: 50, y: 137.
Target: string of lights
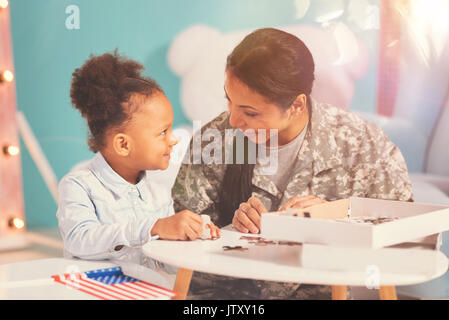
x: 10, y: 218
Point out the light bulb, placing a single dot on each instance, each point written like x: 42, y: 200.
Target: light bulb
x: 6, y: 76
x: 16, y: 223
x: 3, y: 4
x: 10, y: 150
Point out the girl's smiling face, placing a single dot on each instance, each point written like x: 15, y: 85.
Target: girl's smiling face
x: 150, y: 133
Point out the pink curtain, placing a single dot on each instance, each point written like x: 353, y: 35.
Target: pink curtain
x: 389, y: 55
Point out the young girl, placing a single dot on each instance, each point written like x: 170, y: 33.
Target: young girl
x: 108, y: 207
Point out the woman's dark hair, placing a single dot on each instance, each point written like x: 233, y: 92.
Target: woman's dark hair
x: 102, y: 90
x: 278, y: 66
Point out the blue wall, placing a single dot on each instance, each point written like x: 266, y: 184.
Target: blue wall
x: 46, y: 53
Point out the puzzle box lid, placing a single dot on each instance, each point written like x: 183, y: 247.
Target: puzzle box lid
x: 416, y: 222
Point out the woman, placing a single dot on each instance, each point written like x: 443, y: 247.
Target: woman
x: 324, y: 153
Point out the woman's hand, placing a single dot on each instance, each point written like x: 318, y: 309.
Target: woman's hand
x: 302, y: 202
x: 247, y: 216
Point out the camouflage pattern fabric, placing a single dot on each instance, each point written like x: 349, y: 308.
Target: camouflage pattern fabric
x: 205, y: 286
x: 342, y: 155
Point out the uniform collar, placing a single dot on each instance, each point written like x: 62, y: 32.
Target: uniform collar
x: 113, y: 181
x: 319, y: 145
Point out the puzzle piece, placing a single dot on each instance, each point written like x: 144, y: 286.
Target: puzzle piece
x: 251, y: 238
x: 264, y: 242
x: 235, y: 248
x: 288, y: 243
x: 206, y: 228
x: 296, y: 213
x: 368, y: 220
x: 259, y: 241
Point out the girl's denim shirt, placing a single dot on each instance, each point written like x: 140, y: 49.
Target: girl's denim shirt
x: 102, y: 216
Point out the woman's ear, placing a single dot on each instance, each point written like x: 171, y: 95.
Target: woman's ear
x: 122, y: 144
x: 299, y: 105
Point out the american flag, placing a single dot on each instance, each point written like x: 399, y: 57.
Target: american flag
x: 112, y: 284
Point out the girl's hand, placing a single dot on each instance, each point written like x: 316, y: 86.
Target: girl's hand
x: 215, y: 231
x: 184, y: 225
x: 302, y: 202
x: 247, y: 216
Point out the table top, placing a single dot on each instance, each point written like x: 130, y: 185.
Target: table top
x: 275, y: 262
x: 31, y: 280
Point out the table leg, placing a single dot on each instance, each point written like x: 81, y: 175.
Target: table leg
x: 339, y: 292
x: 387, y: 293
x: 182, y: 283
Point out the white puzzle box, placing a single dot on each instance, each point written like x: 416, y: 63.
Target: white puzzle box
x: 360, y: 222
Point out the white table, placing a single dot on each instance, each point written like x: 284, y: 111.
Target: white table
x: 270, y: 262
x: 32, y: 280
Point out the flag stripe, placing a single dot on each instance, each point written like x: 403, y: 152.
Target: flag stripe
x: 106, y: 288
x: 158, y: 287
x: 106, y: 293
x: 78, y: 284
x: 111, y: 283
x: 78, y: 287
x: 129, y: 285
x: 142, y: 287
x: 149, y: 287
x: 120, y: 287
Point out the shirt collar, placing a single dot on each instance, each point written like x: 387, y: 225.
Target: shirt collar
x: 113, y: 181
x: 263, y: 181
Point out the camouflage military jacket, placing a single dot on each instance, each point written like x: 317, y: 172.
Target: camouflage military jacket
x: 342, y: 155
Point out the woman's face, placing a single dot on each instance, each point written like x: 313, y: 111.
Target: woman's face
x: 250, y: 110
